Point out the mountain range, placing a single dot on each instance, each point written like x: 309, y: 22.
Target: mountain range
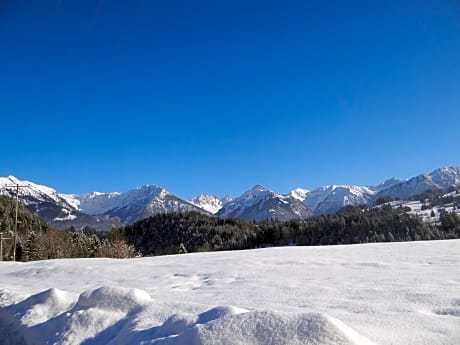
x: 104, y: 210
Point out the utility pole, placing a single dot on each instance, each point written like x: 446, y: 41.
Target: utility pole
x: 1, y: 244
x: 15, y: 235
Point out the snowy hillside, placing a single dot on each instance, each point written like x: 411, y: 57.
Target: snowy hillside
x: 392, y: 293
x: 259, y: 203
x: 430, y: 211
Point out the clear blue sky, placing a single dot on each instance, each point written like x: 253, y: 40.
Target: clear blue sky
x: 217, y: 96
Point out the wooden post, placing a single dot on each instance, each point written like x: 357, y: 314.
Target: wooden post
x: 15, y: 235
x: 1, y: 246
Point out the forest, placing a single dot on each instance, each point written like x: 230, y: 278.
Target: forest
x: 168, y: 233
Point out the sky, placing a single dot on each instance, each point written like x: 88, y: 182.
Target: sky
x: 217, y: 96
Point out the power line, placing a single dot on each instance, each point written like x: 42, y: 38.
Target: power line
x: 15, y: 234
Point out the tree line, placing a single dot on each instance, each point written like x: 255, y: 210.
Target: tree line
x: 174, y: 233
x: 164, y: 233
x: 36, y: 240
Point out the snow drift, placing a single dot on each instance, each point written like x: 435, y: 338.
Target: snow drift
x: 109, y: 315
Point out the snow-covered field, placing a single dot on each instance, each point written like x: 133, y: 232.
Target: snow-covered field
x: 394, y: 293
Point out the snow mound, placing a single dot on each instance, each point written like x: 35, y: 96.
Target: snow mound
x: 219, y: 312
x: 57, y: 317
x: 264, y: 327
x: 43, y: 306
x: 116, y: 316
x: 180, y: 323
x: 114, y: 298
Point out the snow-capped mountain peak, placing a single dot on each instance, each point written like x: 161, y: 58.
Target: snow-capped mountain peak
x: 330, y: 199
x: 254, y: 193
x: 226, y: 199
x: 387, y: 184
x: 442, y: 179
x: 259, y: 188
x: 10, y: 179
x: 45, y: 202
x: 96, y: 209
x: 96, y: 203
x: 299, y: 193
x: 446, y: 176
x: 208, y: 202
x: 135, y: 204
x: 29, y: 191
x: 260, y: 203
x: 102, y: 210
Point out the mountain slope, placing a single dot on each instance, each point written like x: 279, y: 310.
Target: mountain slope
x: 442, y: 178
x: 103, y: 210
x: 330, y: 199
x: 260, y: 203
x: 58, y: 210
x: 98, y: 210
x: 32, y: 195
x: 135, y: 204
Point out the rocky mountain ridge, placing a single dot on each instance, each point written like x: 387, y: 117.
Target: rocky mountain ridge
x: 104, y: 210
